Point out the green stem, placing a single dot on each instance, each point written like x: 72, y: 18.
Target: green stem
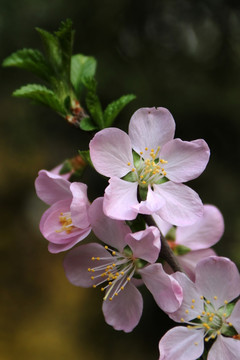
x: 166, y: 252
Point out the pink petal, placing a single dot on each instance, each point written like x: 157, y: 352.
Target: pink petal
x: 120, y: 198
x: 152, y: 204
x: 150, y: 127
x: 51, y: 188
x: 189, y: 261
x: 182, y: 205
x: 181, y: 343
x: 186, y: 159
x: 57, y: 170
x: 80, y: 205
x: 162, y: 225
x: 211, y: 274
x: 164, y: 288
x: 56, y: 248
x: 191, y: 297
x: 145, y: 244
x: 79, y: 260
x: 203, y: 233
x: 234, y: 318
x: 110, y: 231
x: 125, y: 310
x: 224, y: 349
x: 111, y: 151
x: 50, y: 225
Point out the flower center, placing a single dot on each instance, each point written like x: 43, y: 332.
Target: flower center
x: 211, y: 320
x: 113, y: 272
x: 66, y: 223
x: 149, y: 170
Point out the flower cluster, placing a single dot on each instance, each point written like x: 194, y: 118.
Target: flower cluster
x: 151, y: 230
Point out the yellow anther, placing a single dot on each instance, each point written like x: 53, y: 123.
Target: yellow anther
x: 189, y: 327
x: 128, y: 278
x: 146, y: 148
x: 113, y: 265
x: 230, y: 324
x: 186, y: 311
x: 141, y: 176
x: 114, y: 253
x: 102, y: 289
x: 98, y: 258
x: 225, y: 302
x: 92, y: 270
x: 224, y: 314
x: 152, y: 150
x: 144, y: 182
x: 208, y: 301
x: 122, y: 287
x: 196, y: 343
x: 117, y: 274
x: 93, y: 258
x: 92, y: 277
x: 182, y: 319
x: 94, y: 286
x: 116, y: 294
x: 110, y: 299
x: 133, y: 169
x: 88, y: 269
x: 106, y: 247
x: 206, y: 339
x: 193, y: 301
x: 122, y: 272
x: 199, y: 317
x: 211, y: 318
x: 201, y: 297
x: 141, y: 152
x: 219, y: 332
x: 208, y: 313
x: 215, y: 297
x: 129, y: 163
x: 110, y: 283
x: 192, y: 306
x: 203, y: 312
x: 164, y: 172
x: 213, y: 336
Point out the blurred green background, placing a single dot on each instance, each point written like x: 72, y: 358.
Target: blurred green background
x: 183, y: 55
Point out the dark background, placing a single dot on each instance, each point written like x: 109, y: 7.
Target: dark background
x: 183, y: 55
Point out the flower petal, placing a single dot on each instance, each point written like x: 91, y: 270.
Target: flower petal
x: 162, y: 225
x: 203, y: 233
x: 77, y: 262
x: 186, y: 160
x: 51, y: 188
x: 119, y: 199
x: 145, y: 244
x: 150, y: 127
x: 111, y: 151
x: 125, y: 310
x: 224, y: 349
x: 181, y: 343
x: 50, y: 225
x: 234, y: 318
x: 54, y: 248
x: 110, y: 231
x: 164, y: 288
x: 80, y: 205
x: 151, y: 205
x: 182, y: 205
x: 189, y: 261
x: 214, y: 272
x: 191, y: 297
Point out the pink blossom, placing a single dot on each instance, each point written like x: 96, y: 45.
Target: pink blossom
x: 151, y: 162
x: 66, y: 222
x: 207, y: 310
x: 192, y: 243
x: 114, y: 266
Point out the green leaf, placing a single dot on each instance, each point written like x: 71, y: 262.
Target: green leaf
x: 66, y: 167
x: 85, y: 155
x: 93, y: 102
x: 81, y: 67
x: 29, y: 59
x: 87, y: 124
x: 65, y: 35
x: 52, y: 49
x: 138, y: 224
x: 181, y: 250
x: 41, y: 94
x: 113, y: 109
